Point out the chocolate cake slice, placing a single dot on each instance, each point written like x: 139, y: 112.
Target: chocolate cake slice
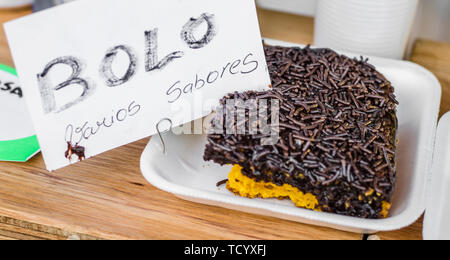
x: 337, y: 136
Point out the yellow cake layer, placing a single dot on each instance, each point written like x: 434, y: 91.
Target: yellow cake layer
x: 244, y: 186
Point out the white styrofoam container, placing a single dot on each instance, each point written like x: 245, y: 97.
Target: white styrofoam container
x: 183, y: 172
x: 436, y: 223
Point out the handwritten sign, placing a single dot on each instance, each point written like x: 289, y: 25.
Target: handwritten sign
x: 101, y: 74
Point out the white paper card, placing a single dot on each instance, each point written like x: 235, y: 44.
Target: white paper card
x: 103, y: 73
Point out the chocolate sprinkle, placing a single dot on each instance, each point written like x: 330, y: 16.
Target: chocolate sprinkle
x: 222, y: 182
x: 338, y: 129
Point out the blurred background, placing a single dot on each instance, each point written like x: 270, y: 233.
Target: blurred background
x: 431, y: 20
x: 385, y: 28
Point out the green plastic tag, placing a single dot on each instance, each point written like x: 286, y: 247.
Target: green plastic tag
x: 20, y: 150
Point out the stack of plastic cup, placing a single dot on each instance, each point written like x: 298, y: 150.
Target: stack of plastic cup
x: 371, y: 27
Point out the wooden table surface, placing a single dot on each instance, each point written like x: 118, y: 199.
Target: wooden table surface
x: 106, y: 197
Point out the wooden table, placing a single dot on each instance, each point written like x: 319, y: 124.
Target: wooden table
x: 106, y: 197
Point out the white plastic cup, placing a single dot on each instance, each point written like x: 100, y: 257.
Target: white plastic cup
x: 370, y: 27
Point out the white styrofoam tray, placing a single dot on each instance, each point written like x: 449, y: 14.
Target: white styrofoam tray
x: 436, y: 223
x: 183, y: 172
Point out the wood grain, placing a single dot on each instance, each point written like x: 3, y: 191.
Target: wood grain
x: 413, y: 232
x: 286, y: 27
x: 7, y: 15
x: 435, y: 56
x: 107, y: 197
x: 18, y: 229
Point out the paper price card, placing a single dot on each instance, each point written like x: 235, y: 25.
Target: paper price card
x: 101, y: 74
